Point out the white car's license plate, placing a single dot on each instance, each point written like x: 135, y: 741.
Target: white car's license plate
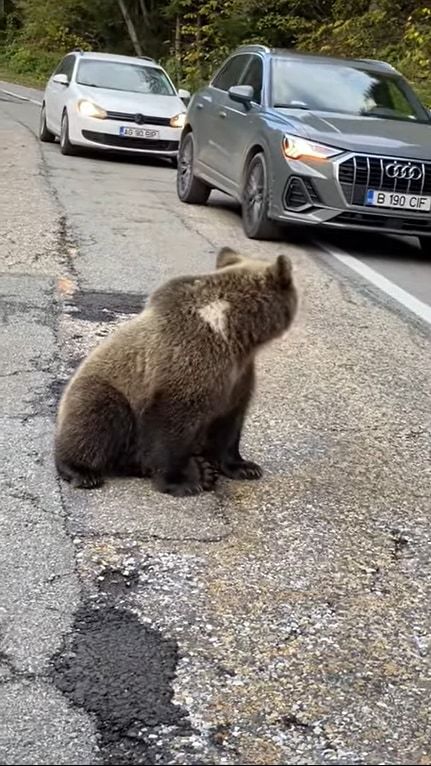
x: 139, y: 133
x: 400, y: 201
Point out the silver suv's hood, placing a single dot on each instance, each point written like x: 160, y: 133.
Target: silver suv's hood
x: 362, y: 134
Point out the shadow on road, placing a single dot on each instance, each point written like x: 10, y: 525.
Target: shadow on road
x: 358, y: 243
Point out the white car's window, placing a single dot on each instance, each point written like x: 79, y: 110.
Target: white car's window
x: 134, y: 78
x: 344, y: 89
x: 66, y: 66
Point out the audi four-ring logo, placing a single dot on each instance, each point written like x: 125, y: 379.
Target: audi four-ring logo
x: 409, y: 172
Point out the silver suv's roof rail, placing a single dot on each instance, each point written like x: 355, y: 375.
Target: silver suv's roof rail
x: 147, y: 58
x: 256, y: 47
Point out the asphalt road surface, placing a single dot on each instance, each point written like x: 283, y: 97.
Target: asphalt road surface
x: 283, y: 621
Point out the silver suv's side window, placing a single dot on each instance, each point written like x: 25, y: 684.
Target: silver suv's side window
x: 254, y: 76
x: 231, y: 73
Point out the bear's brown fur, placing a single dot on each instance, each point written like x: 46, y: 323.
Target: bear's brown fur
x: 166, y: 394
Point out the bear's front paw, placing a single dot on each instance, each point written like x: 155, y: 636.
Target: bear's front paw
x: 179, y: 489
x: 207, y: 471
x: 242, y: 470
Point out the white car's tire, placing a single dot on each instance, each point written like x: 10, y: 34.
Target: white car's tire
x: 66, y: 147
x: 45, y: 134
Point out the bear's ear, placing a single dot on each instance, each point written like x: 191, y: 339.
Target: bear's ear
x: 227, y: 257
x: 282, y: 270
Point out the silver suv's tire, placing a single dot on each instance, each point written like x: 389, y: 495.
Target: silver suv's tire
x: 425, y: 243
x: 255, y: 198
x: 189, y: 188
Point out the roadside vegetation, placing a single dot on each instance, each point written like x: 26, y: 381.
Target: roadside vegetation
x: 191, y: 37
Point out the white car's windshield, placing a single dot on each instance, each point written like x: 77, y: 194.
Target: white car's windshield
x: 343, y: 89
x: 134, y: 78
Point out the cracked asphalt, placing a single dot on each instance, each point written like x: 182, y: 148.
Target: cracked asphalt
x: 284, y: 621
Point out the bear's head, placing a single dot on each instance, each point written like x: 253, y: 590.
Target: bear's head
x: 268, y: 290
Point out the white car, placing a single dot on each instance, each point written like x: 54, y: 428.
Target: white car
x: 104, y: 101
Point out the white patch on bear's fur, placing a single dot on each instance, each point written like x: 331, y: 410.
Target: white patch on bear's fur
x: 214, y: 314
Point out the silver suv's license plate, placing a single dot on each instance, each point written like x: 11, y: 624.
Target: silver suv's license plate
x: 399, y: 201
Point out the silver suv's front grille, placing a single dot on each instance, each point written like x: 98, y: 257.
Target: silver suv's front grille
x: 360, y: 173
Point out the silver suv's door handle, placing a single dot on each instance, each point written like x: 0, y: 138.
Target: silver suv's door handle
x: 199, y: 105
x: 222, y: 114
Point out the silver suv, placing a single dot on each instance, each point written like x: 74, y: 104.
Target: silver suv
x: 306, y: 139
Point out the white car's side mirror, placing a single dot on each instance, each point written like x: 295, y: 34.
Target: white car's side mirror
x: 61, y: 79
x: 184, y: 94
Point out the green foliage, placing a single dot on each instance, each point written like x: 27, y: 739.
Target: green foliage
x: 192, y: 37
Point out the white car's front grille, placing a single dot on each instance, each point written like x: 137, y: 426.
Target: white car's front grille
x: 138, y: 118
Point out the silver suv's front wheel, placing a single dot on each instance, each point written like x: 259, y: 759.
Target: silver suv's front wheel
x: 189, y: 188
x: 255, y: 198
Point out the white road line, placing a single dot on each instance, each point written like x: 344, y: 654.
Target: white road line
x: 422, y: 310
x: 23, y: 98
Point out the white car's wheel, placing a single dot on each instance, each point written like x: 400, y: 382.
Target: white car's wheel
x: 65, y: 146
x: 45, y: 134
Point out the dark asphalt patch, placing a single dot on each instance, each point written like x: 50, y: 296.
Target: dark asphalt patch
x: 94, y: 306
x: 121, y: 671
x: 114, y: 582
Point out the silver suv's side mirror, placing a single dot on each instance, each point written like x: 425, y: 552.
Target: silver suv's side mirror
x: 61, y: 79
x: 244, y: 94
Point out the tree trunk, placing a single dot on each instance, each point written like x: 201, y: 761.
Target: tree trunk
x: 199, y: 47
x: 145, y: 14
x: 130, y: 27
x: 178, y: 72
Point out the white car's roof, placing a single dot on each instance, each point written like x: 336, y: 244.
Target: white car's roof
x: 117, y: 57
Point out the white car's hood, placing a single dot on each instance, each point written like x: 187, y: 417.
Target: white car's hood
x: 133, y: 103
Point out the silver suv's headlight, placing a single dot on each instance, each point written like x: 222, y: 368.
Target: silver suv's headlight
x: 178, y: 121
x: 297, y: 148
x: 90, y: 109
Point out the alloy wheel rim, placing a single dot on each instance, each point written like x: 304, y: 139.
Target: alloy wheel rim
x: 254, y: 195
x: 63, y: 131
x: 185, y: 166
x: 42, y: 120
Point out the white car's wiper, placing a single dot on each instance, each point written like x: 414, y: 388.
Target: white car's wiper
x: 89, y: 84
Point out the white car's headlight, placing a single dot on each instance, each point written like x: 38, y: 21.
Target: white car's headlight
x: 178, y: 121
x: 296, y: 148
x: 90, y: 109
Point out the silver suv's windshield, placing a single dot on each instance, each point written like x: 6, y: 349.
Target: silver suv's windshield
x: 115, y: 75
x: 343, y: 89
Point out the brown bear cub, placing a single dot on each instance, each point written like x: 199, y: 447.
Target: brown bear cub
x: 166, y: 395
